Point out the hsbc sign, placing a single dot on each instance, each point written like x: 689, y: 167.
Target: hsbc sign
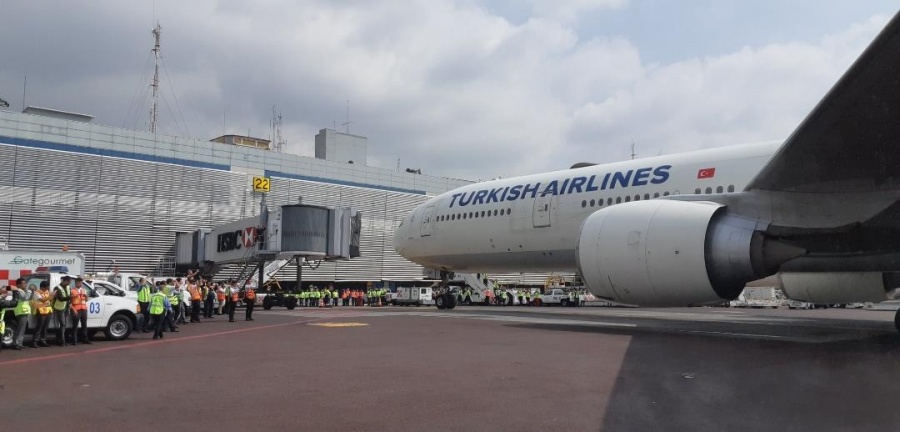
x: 234, y: 240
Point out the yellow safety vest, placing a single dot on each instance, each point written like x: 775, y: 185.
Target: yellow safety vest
x: 23, y: 307
x: 42, y: 303
x: 60, y: 305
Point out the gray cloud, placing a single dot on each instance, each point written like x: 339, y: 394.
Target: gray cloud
x: 449, y: 87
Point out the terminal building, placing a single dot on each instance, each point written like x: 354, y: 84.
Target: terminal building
x: 122, y: 196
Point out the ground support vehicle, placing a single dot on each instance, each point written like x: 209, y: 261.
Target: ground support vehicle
x: 16, y: 264
x: 757, y: 297
x: 109, y: 310
x: 554, y: 297
x: 274, y: 295
x: 417, y: 296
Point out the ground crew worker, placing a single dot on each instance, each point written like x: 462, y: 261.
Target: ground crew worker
x: 61, y: 300
x: 43, y: 314
x: 196, y: 297
x: 159, y: 306
x: 327, y: 295
x: 79, y: 312
x: 22, y: 297
x: 250, y: 301
x: 144, y: 303
x: 231, y: 296
x: 220, y: 298
x: 209, y: 299
x: 176, y: 298
x: 334, y: 295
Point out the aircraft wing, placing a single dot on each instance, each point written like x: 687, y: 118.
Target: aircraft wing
x: 850, y: 142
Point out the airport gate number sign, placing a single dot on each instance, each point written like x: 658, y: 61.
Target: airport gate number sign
x: 261, y: 184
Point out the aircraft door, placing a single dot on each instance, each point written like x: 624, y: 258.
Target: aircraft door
x: 427, y: 221
x: 541, y: 215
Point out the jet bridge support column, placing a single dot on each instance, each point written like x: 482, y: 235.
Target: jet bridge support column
x: 299, y: 273
x: 261, y: 269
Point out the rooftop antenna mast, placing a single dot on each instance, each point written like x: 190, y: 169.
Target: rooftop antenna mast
x: 154, y: 84
x: 277, y: 137
x: 633, y: 154
x: 347, y: 124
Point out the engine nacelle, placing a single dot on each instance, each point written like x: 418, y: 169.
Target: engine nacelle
x: 669, y: 253
x: 844, y: 287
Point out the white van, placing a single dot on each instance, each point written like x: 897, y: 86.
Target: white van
x: 413, y: 296
x: 109, y: 309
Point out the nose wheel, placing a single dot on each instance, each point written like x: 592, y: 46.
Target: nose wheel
x: 445, y: 299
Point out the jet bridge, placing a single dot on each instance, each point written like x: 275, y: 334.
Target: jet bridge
x: 261, y: 245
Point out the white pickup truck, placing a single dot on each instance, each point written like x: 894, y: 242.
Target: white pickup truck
x: 555, y: 296
x: 109, y: 309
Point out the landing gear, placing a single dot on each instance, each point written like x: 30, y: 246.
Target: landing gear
x: 445, y: 297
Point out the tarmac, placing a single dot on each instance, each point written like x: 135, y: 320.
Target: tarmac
x: 475, y: 368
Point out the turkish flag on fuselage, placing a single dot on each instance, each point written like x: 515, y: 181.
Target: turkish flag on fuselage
x: 706, y: 173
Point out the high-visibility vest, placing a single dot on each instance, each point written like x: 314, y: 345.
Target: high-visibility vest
x: 233, y: 293
x: 23, y: 307
x: 220, y: 295
x: 157, y: 303
x: 175, y: 298
x: 60, y: 305
x: 42, y: 302
x: 195, y: 292
x: 250, y: 294
x: 79, y: 299
x: 144, y: 294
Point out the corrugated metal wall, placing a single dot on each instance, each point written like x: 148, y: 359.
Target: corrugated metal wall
x: 130, y: 211
x: 113, y: 208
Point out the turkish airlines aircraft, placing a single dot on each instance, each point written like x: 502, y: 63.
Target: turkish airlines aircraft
x: 820, y: 209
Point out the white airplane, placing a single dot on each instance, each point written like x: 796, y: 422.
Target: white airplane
x: 820, y: 209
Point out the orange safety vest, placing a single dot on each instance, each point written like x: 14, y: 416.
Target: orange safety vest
x: 234, y: 294
x: 250, y: 294
x: 42, y: 303
x: 220, y: 295
x: 195, y: 292
x: 79, y: 299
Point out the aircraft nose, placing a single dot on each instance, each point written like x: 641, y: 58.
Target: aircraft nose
x: 400, y: 241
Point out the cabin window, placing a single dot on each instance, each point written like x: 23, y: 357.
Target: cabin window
x: 646, y: 196
x: 730, y: 188
x: 592, y: 202
x: 708, y: 190
x: 698, y: 191
x: 719, y: 189
x: 666, y: 193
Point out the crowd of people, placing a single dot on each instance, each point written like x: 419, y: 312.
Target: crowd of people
x: 168, y: 304
x: 64, y: 305
x: 164, y: 305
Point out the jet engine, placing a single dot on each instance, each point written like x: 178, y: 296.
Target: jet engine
x: 843, y: 287
x: 674, y: 253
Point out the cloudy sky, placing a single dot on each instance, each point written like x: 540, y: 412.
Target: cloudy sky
x: 469, y: 88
